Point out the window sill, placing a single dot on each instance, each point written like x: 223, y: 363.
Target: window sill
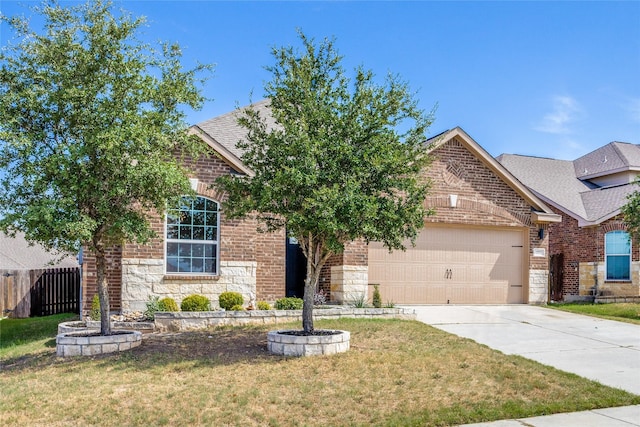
x: 191, y: 277
x: 618, y: 281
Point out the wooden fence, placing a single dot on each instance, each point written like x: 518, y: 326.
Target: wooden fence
x: 25, y: 293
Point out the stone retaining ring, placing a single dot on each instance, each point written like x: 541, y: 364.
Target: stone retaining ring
x: 89, y: 343
x: 281, y: 343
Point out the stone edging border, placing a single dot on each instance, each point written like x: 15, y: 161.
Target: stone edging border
x: 195, y: 320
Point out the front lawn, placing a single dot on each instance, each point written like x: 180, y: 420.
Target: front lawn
x: 28, y: 336
x: 396, y: 373
x: 624, y: 312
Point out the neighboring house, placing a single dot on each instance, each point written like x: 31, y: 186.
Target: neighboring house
x: 591, y: 252
x: 22, y: 265
x: 482, y: 245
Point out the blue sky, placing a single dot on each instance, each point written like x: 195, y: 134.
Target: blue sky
x: 544, y: 78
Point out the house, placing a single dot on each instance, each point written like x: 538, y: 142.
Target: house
x: 24, y: 272
x: 483, y: 244
x: 591, y: 252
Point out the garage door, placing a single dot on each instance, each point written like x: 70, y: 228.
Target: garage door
x: 452, y: 266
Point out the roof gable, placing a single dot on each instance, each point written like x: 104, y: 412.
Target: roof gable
x: 543, y: 214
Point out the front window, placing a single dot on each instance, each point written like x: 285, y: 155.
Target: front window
x: 192, y: 237
x: 618, y: 255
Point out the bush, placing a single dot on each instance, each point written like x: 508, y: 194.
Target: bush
x: 263, y: 305
x: 237, y: 307
x: 94, y: 314
x: 168, y: 304
x: 290, y: 303
x: 358, y: 301
x: 153, y: 306
x: 377, y: 299
x: 195, y: 303
x: 228, y: 300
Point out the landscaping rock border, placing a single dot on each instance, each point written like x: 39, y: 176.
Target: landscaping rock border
x: 284, y: 344
x: 88, y: 343
x: 194, y: 320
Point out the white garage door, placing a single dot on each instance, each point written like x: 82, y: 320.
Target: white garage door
x: 452, y: 265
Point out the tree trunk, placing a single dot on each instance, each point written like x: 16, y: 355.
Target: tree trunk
x: 103, y: 291
x: 314, y: 249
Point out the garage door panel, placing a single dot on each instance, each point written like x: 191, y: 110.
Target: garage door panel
x: 452, y: 265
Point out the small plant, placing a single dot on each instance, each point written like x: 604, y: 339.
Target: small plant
x: 153, y: 306
x: 228, y: 300
x: 94, y: 314
x: 263, y: 305
x: 377, y: 299
x: 359, y: 300
x: 390, y: 304
x: 195, y: 303
x: 289, y: 303
x: 319, y: 298
x: 168, y: 304
x: 237, y: 307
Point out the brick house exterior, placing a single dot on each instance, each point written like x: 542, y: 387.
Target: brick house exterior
x: 488, y: 200
x: 587, y: 193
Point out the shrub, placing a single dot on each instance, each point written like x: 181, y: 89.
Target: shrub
x: 263, y: 305
x: 195, y: 303
x: 390, y: 304
x: 290, y: 303
x: 168, y: 304
x: 359, y: 301
x: 153, y: 306
x: 237, y: 307
x: 377, y: 299
x: 94, y: 314
x: 228, y: 300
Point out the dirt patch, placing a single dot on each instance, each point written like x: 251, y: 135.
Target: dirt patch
x: 227, y: 346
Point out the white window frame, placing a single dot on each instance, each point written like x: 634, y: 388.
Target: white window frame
x: 215, y: 243
x: 607, y: 255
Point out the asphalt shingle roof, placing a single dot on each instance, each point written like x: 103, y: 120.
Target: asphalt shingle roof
x: 564, y: 183
x: 17, y: 254
x: 226, y: 130
x: 614, y: 156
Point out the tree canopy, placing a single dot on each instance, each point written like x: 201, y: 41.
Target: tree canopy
x: 91, y: 120
x: 631, y: 212
x: 344, y: 160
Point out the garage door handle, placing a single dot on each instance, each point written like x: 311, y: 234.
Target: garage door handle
x: 448, y: 274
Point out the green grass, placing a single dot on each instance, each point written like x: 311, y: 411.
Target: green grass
x: 624, y: 312
x: 396, y: 373
x: 23, y: 336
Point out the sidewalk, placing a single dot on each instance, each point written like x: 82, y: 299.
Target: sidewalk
x: 625, y: 416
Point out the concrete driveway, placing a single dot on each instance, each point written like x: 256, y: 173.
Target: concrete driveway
x: 603, y: 350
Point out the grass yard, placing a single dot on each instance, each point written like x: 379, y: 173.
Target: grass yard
x: 32, y: 335
x: 624, y: 312
x: 396, y: 373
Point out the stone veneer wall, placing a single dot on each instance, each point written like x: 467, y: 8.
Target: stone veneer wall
x: 538, y: 286
x: 143, y: 278
x: 588, y: 271
x: 349, y: 283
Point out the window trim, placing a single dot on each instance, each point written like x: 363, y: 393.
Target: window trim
x: 607, y: 255
x: 216, y: 243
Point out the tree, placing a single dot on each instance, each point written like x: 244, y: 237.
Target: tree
x: 90, y: 122
x: 631, y: 212
x: 334, y: 168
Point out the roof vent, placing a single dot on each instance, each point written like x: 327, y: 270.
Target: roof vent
x: 604, y: 160
x: 585, y: 171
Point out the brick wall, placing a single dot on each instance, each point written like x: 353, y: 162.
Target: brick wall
x: 239, y: 243
x: 583, y: 249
